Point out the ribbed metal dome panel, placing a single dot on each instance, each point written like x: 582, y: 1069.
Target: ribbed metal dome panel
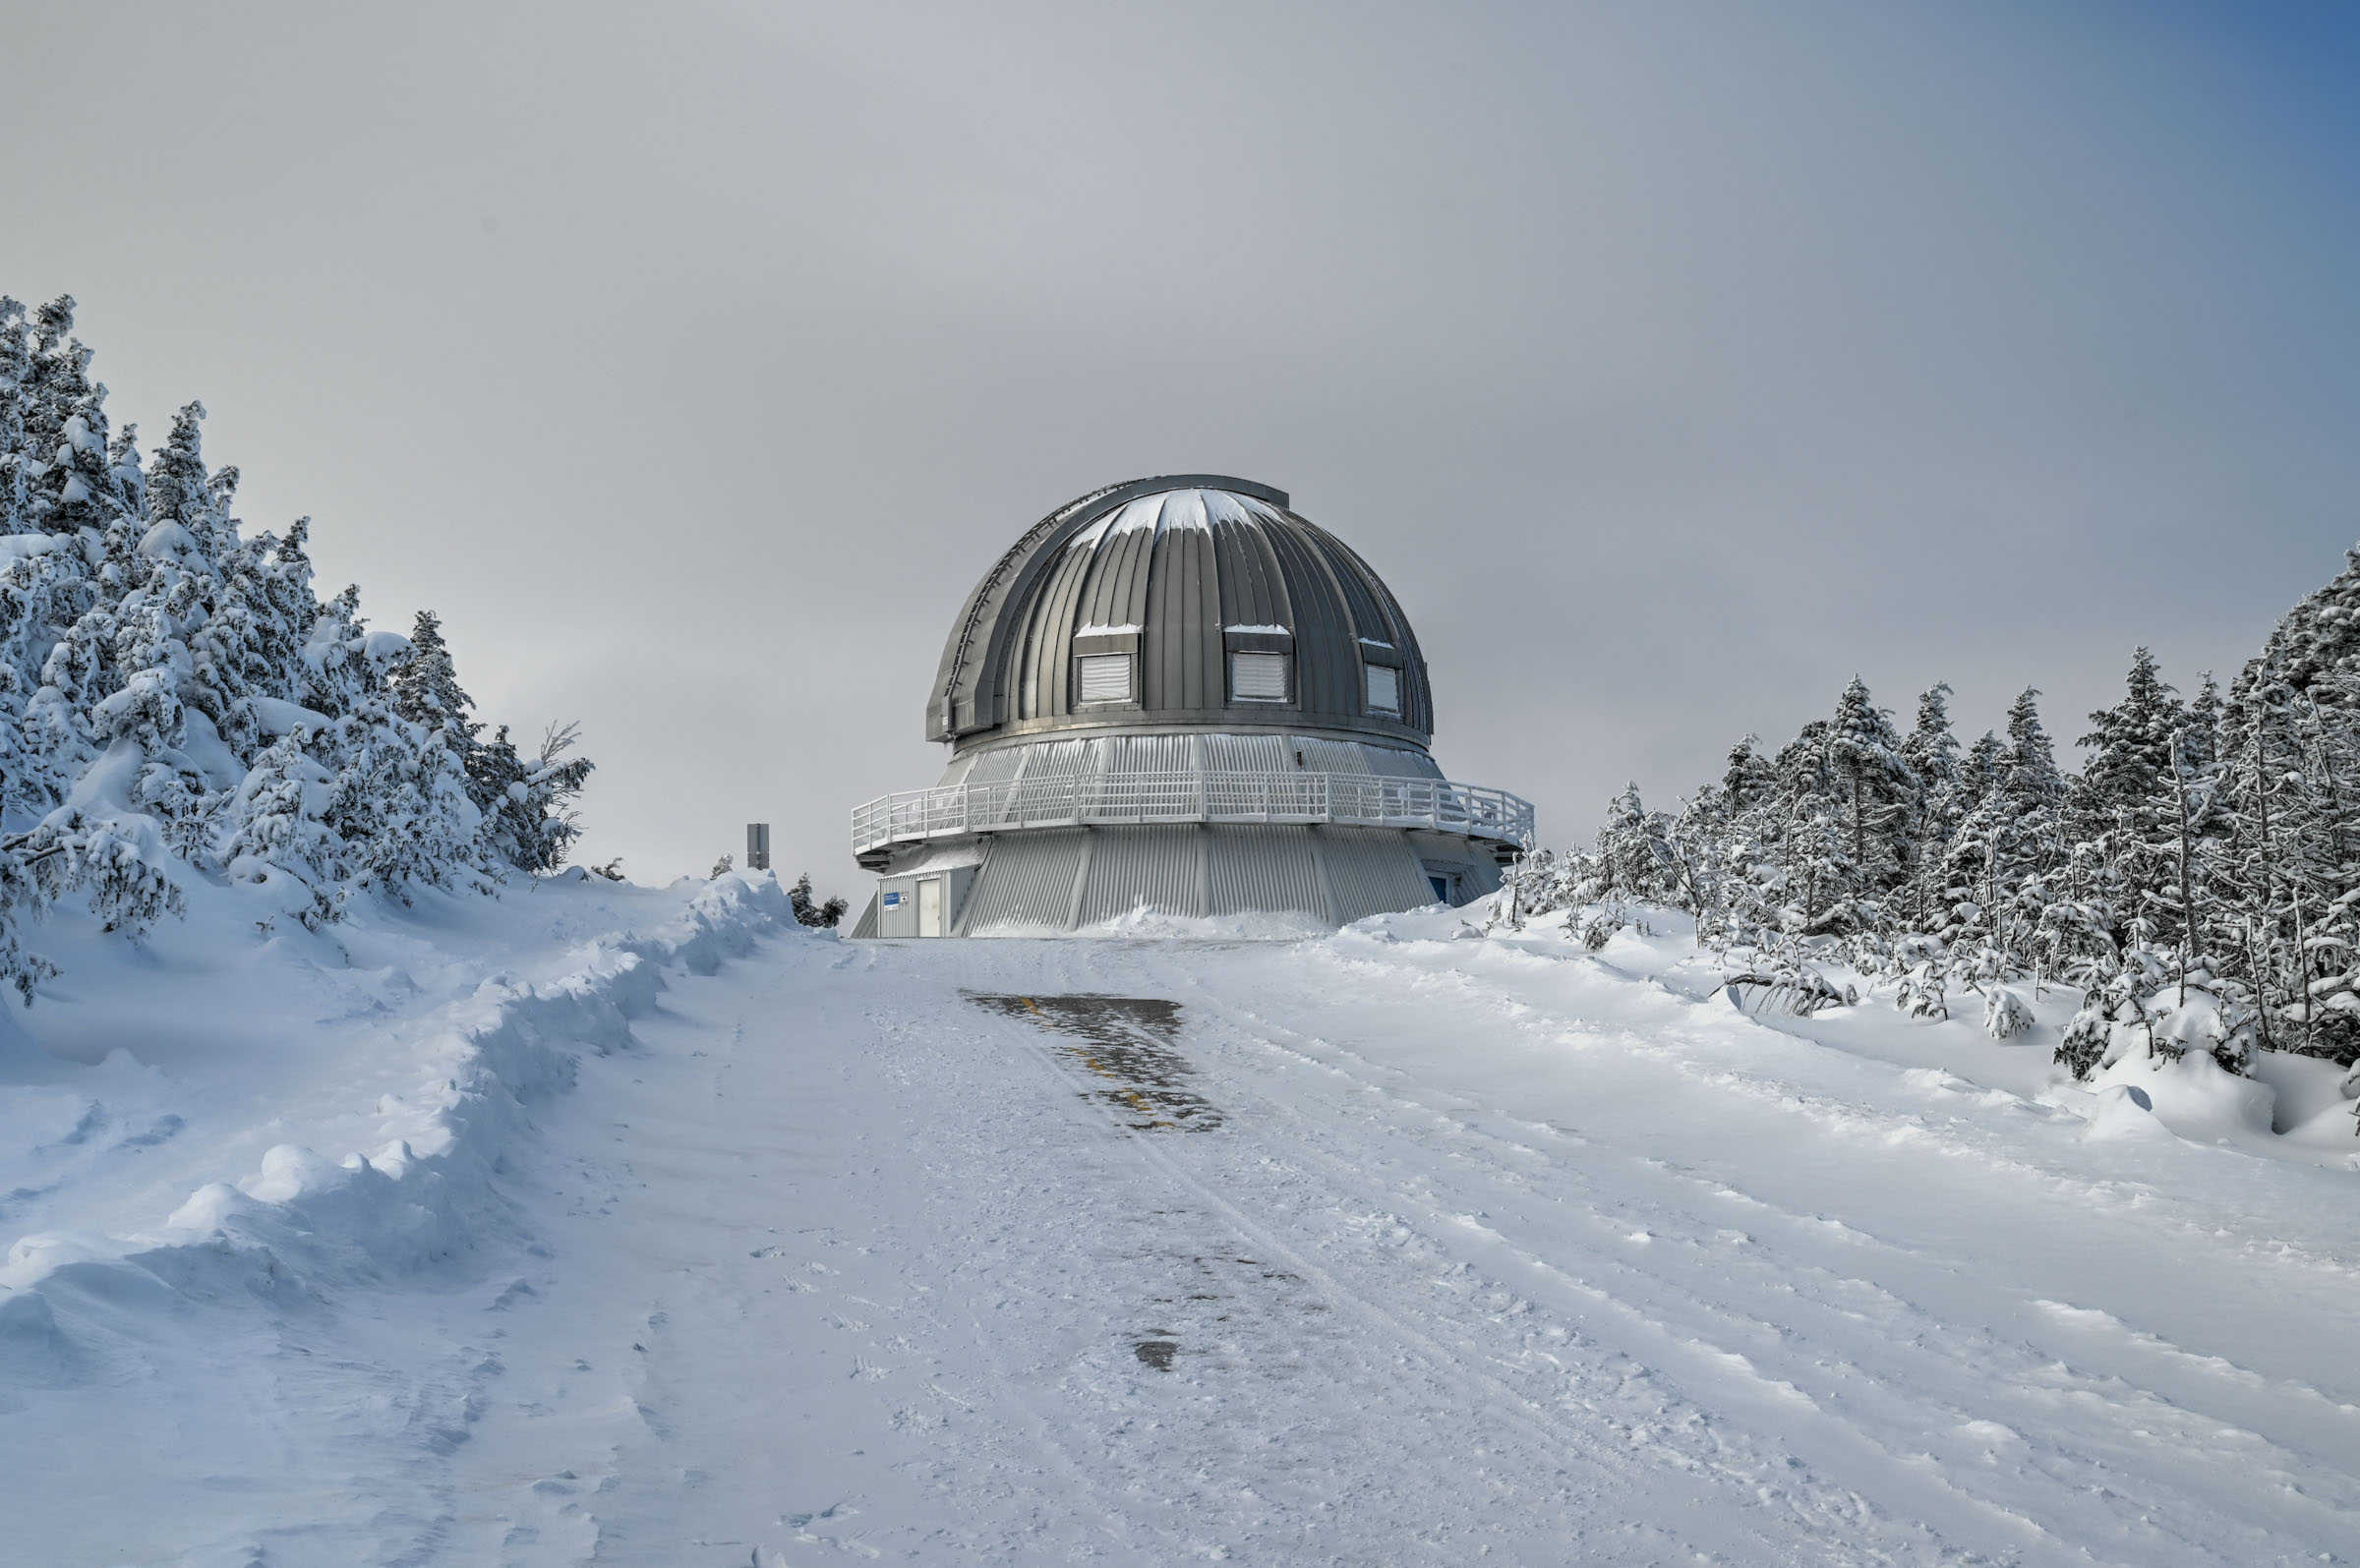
x: 1180, y: 571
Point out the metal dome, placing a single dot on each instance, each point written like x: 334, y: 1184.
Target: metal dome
x: 1177, y: 698
x: 1179, y: 572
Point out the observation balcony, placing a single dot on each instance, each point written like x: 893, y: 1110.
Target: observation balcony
x: 1494, y: 817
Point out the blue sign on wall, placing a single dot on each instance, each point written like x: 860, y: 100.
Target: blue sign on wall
x: 893, y: 900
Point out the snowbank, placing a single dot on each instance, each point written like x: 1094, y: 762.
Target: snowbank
x: 418, y: 1196
x: 2194, y: 1096
x: 2292, y: 1107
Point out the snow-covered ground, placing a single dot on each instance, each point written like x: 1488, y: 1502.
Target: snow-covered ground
x: 1403, y: 1246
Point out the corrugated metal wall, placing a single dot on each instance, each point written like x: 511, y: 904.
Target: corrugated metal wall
x: 1060, y: 759
x: 1248, y: 753
x: 1249, y: 869
x: 1372, y: 870
x: 1330, y: 756
x: 990, y: 767
x: 1397, y: 764
x: 1121, y: 754
x: 1027, y: 883
x: 1026, y: 886
x: 1160, y: 867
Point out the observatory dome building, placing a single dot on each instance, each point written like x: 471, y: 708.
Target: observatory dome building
x: 1176, y: 694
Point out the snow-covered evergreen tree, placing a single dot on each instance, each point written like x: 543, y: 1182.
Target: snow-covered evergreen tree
x: 1931, y: 752
x: 1635, y: 856
x: 2118, y: 809
x: 530, y: 820
x: 15, y: 374
x: 337, y: 672
x: 276, y: 828
x: 56, y: 380
x: 175, y: 703
x: 427, y: 691
x: 2198, y: 878
x: 1878, y: 793
x: 808, y: 910
x: 1815, y: 839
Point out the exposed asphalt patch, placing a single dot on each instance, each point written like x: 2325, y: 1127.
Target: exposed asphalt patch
x: 1128, y: 1041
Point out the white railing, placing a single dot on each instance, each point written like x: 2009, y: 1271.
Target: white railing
x: 1364, y: 799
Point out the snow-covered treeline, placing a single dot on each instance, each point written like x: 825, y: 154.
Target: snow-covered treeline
x: 2198, y: 879
x: 177, y: 702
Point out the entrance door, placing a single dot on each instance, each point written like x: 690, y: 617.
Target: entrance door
x: 1440, y: 887
x: 930, y: 906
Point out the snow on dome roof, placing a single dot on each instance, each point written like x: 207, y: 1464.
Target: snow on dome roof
x: 1178, y: 573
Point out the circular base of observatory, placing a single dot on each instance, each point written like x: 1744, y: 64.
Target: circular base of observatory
x: 1176, y: 697
x: 1064, y: 881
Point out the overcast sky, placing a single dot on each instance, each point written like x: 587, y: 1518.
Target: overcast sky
x: 1673, y: 361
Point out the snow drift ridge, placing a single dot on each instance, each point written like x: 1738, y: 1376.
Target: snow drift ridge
x: 303, y: 1222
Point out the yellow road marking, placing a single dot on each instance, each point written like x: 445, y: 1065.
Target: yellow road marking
x: 1138, y: 1100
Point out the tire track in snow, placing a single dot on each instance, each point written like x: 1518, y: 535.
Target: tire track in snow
x: 1646, y: 1343
x: 1827, y: 1517
x: 1869, y: 1124
x: 2330, y: 1428
x: 1915, y: 1336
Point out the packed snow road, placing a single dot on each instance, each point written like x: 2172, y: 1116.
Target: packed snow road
x: 1403, y: 1246
x: 1369, y: 1251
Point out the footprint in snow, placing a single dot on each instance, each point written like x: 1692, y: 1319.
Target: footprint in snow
x: 516, y: 1291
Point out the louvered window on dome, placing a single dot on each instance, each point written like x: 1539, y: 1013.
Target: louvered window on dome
x: 1258, y: 677
x: 1384, y: 691
x: 1106, y: 678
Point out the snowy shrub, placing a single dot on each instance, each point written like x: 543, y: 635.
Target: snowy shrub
x: 1922, y: 995
x: 2083, y: 1047
x: 2200, y: 1018
x: 809, y: 911
x: 1527, y: 889
x: 1793, y: 990
x: 1595, y: 928
x: 2005, y: 1014
x: 2140, y: 1012
x: 119, y: 862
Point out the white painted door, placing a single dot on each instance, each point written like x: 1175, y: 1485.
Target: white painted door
x: 930, y: 906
